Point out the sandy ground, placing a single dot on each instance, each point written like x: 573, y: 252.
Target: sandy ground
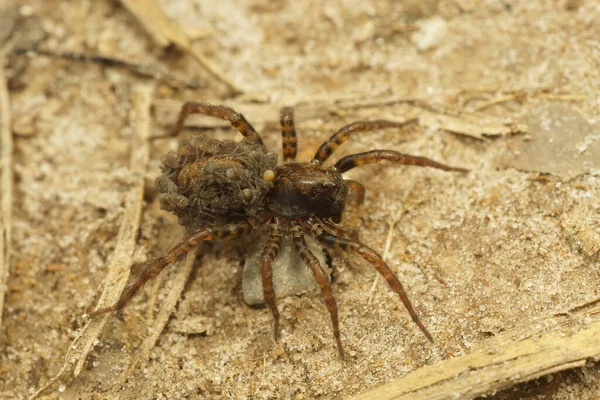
x: 511, y: 243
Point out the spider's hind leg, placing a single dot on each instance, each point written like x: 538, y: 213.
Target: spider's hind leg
x: 224, y: 232
x: 236, y: 119
x: 288, y: 134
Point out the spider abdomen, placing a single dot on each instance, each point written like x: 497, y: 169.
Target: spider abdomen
x: 208, y: 181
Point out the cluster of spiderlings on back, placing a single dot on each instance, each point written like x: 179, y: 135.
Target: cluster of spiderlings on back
x: 208, y: 181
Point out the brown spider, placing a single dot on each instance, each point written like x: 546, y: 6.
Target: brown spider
x: 225, y: 190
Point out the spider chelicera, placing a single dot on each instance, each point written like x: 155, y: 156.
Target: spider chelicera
x: 223, y: 190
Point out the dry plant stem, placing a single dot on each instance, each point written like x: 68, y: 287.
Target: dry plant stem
x: 164, y: 32
x: 563, y: 97
x: 140, y: 69
x: 497, y: 101
x: 524, y: 95
x: 152, y: 18
x: 519, y: 355
x: 6, y: 186
x: 119, y: 268
x: 438, y: 116
x: 388, y: 243
x: 214, y: 71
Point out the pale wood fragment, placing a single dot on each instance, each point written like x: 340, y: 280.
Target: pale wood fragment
x: 563, y: 341
x: 6, y: 186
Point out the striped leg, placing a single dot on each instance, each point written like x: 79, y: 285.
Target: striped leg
x: 225, y: 232
x: 237, y: 120
x: 338, y: 230
x: 358, y: 188
x: 343, y: 134
x: 313, y: 263
x: 288, y: 134
x: 270, y: 251
x: 356, y: 247
x: 374, y: 156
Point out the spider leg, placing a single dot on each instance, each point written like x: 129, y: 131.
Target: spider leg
x: 355, y: 160
x: 224, y: 232
x: 270, y: 251
x: 338, y: 230
x: 356, y: 247
x: 328, y: 147
x: 237, y: 120
x: 288, y: 134
x: 359, y: 190
x: 313, y: 263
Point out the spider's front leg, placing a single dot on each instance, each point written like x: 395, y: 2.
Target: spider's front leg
x: 339, y: 230
x: 356, y: 247
x: 345, y: 132
x: 312, y: 262
x: 374, y: 156
x: 224, y: 232
x: 270, y: 251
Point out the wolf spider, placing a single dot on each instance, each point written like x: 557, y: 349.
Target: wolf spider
x: 225, y: 190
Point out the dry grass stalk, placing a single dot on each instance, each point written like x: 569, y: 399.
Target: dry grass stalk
x: 164, y: 33
x: 6, y: 186
x: 122, y: 259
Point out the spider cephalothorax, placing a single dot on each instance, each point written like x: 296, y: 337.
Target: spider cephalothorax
x: 304, y: 190
x: 225, y: 190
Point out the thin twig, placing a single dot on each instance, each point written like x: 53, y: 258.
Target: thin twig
x: 433, y: 115
x: 164, y: 32
x: 527, y: 352
x: 122, y: 259
x: 388, y: 243
x: 523, y: 95
x: 496, y: 101
x: 214, y: 71
x: 6, y: 186
x: 144, y: 70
